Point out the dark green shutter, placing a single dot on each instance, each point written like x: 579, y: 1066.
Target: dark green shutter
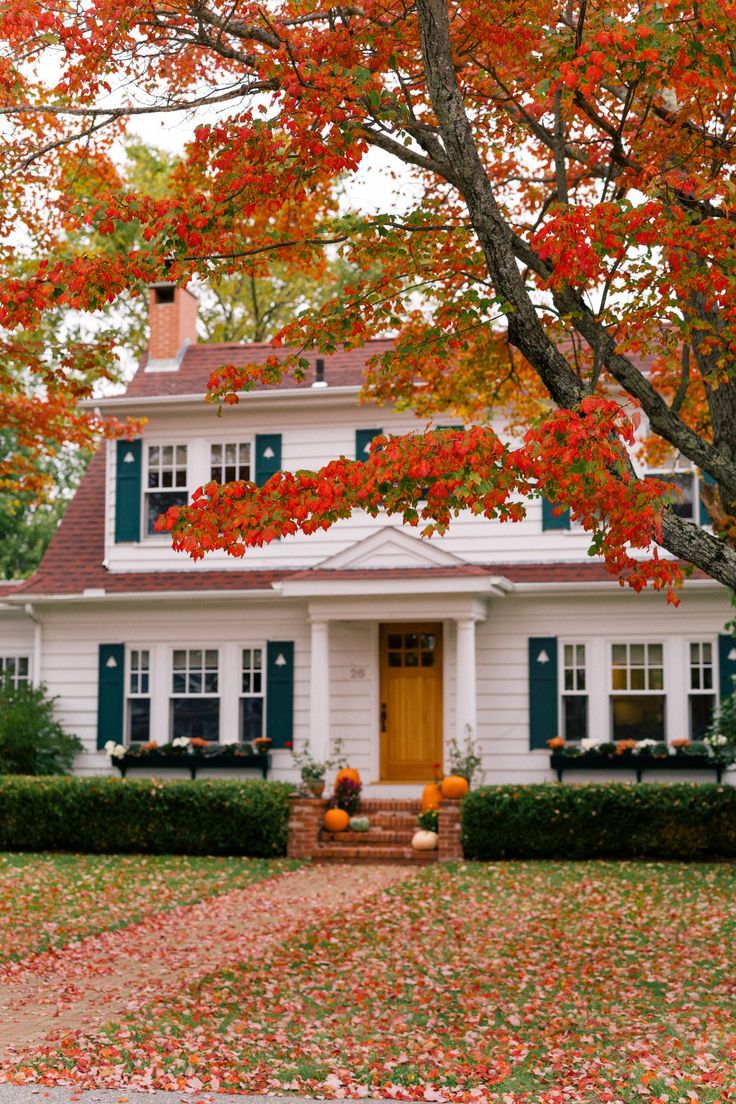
x: 726, y: 665
x: 542, y: 690
x: 110, y: 694
x: 704, y: 515
x: 128, y: 491
x: 363, y: 440
x: 280, y: 692
x: 268, y: 456
x: 551, y: 520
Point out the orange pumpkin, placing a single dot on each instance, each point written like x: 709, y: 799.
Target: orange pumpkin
x: 348, y: 772
x: 454, y: 786
x: 431, y: 797
x: 336, y: 820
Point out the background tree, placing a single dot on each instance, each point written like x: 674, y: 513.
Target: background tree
x: 572, y: 233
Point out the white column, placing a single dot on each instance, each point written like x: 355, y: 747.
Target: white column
x: 465, y: 685
x: 319, y: 691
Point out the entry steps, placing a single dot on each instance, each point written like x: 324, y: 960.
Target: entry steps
x: 393, y: 823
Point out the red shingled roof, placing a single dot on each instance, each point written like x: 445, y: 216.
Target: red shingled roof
x: 344, y: 368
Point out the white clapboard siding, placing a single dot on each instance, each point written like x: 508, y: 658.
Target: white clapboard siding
x: 310, y: 439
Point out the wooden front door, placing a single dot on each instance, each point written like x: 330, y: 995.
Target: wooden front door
x: 411, y: 701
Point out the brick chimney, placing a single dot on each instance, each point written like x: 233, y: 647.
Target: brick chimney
x: 172, y: 319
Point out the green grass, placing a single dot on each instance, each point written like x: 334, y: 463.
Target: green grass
x: 551, y: 983
x: 50, y: 900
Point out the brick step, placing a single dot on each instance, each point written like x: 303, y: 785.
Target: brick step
x: 336, y: 852
x: 374, y: 837
x: 371, y: 805
x: 390, y: 819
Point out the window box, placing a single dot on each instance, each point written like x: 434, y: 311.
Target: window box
x: 192, y: 761
x: 636, y: 763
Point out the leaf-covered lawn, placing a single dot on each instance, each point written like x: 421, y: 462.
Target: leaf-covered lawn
x: 51, y: 900
x: 552, y: 983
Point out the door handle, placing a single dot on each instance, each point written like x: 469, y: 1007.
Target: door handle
x: 383, y: 716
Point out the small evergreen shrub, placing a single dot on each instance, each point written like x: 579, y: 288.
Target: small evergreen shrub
x: 611, y: 820
x: 116, y: 815
x: 31, y: 739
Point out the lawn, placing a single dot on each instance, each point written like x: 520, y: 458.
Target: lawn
x: 51, y: 900
x: 555, y: 983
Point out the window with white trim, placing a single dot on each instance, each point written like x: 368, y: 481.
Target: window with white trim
x: 637, y: 698
x: 139, y: 695
x: 701, y: 688
x: 195, y: 700
x: 574, y: 693
x: 251, y: 693
x: 166, y: 482
x: 15, y: 670
x: 230, y: 461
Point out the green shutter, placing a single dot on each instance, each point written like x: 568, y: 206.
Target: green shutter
x: 726, y: 665
x: 363, y: 441
x: 268, y: 456
x: 110, y: 694
x: 542, y: 690
x: 128, y: 491
x: 551, y: 520
x: 704, y: 515
x: 280, y: 692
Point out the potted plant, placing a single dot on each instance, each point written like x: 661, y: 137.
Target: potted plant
x: 313, y: 770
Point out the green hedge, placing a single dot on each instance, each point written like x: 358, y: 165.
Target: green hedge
x: 613, y: 820
x: 206, y: 817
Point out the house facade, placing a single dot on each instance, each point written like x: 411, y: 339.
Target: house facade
x: 366, y: 632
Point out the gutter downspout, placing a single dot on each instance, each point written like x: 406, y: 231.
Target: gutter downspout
x: 37, y: 642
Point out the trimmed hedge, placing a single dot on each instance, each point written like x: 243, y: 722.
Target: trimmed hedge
x: 111, y: 815
x: 612, y: 820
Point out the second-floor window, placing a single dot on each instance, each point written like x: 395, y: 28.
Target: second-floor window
x: 230, y: 462
x: 166, y: 481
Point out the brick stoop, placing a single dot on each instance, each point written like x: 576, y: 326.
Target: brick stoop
x: 393, y: 823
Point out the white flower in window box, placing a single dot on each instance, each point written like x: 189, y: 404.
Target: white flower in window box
x: 117, y: 751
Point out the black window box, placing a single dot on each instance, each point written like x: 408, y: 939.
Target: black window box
x: 637, y: 763
x: 194, y: 761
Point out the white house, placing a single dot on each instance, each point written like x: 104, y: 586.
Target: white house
x: 364, y: 632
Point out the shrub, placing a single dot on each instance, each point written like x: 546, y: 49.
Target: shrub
x: 612, y: 820
x: 206, y: 817
x: 31, y: 739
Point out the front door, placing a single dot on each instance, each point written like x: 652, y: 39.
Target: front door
x: 411, y: 701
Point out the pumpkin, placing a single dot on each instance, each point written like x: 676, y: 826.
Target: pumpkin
x: 336, y: 820
x: 348, y: 772
x: 431, y: 797
x: 359, y: 824
x: 424, y: 841
x: 454, y: 786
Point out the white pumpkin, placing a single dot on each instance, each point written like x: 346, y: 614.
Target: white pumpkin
x: 424, y: 841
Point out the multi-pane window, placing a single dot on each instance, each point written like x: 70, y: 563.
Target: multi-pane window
x: 195, y: 702
x: 410, y: 649
x: 574, y: 693
x: 701, y: 693
x: 637, y: 699
x: 139, y: 694
x: 251, y: 693
x: 230, y: 462
x: 166, y: 481
x: 14, y: 669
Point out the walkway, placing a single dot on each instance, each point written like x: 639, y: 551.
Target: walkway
x: 89, y: 982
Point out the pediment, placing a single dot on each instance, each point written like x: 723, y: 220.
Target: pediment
x: 390, y: 548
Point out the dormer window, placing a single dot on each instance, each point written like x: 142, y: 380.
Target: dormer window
x: 166, y: 481
x: 230, y: 462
